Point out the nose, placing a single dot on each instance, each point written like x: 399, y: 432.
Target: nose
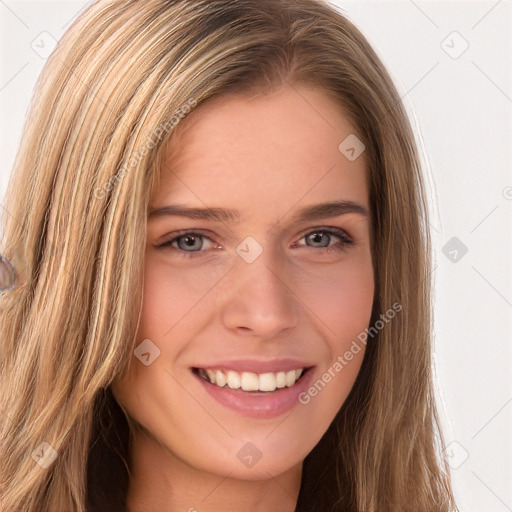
x: 258, y: 298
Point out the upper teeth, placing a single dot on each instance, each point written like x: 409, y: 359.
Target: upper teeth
x: 249, y: 381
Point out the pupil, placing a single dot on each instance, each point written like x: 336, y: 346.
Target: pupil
x: 190, y: 242
x: 317, y: 237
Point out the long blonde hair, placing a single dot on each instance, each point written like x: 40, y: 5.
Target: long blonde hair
x: 110, y: 98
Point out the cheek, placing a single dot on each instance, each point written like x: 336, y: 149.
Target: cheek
x: 342, y: 303
x: 341, y: 298
x: 170, y: 296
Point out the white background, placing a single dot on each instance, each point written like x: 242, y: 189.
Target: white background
x: 463, y: 109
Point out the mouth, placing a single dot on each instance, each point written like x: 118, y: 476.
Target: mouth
x: 257, y: 389
x: 251, y: 382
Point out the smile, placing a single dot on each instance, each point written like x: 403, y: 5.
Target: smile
x: 249, y: 381
x: 257, y: 389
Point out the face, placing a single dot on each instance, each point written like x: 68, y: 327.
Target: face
x: 258, y: 277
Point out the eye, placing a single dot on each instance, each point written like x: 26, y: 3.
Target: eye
x: 188, y: 242
x: 322, y: 238
x: 192, y: 243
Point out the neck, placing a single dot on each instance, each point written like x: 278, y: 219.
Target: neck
x: 161, y: 481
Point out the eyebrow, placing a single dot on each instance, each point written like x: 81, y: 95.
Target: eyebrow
x: 316, y: 212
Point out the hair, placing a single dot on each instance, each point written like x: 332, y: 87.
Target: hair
x: 104, y: 109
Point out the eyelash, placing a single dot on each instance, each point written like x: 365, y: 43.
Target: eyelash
x: 345, y: 241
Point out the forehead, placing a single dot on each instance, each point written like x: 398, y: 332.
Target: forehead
x: 274, y: 149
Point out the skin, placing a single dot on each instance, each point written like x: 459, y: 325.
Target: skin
x: 305, y: 297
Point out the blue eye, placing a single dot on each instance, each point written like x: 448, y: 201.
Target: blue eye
x: 186, y: 242
x: 191, y: 244
x: 322, y: 236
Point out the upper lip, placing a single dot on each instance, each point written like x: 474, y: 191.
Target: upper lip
x: 255, y: 366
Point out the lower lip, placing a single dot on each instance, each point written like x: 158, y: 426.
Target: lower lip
x: 264, y: 405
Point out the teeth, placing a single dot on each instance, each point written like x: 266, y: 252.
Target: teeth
x: 234, y: 380
x: 220, y: 378
x: 249, y: 381
x: 281, y: 379
x: 268, y: 382
x: 290, y: 378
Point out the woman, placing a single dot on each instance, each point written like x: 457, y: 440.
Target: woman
x: 224, y: 298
